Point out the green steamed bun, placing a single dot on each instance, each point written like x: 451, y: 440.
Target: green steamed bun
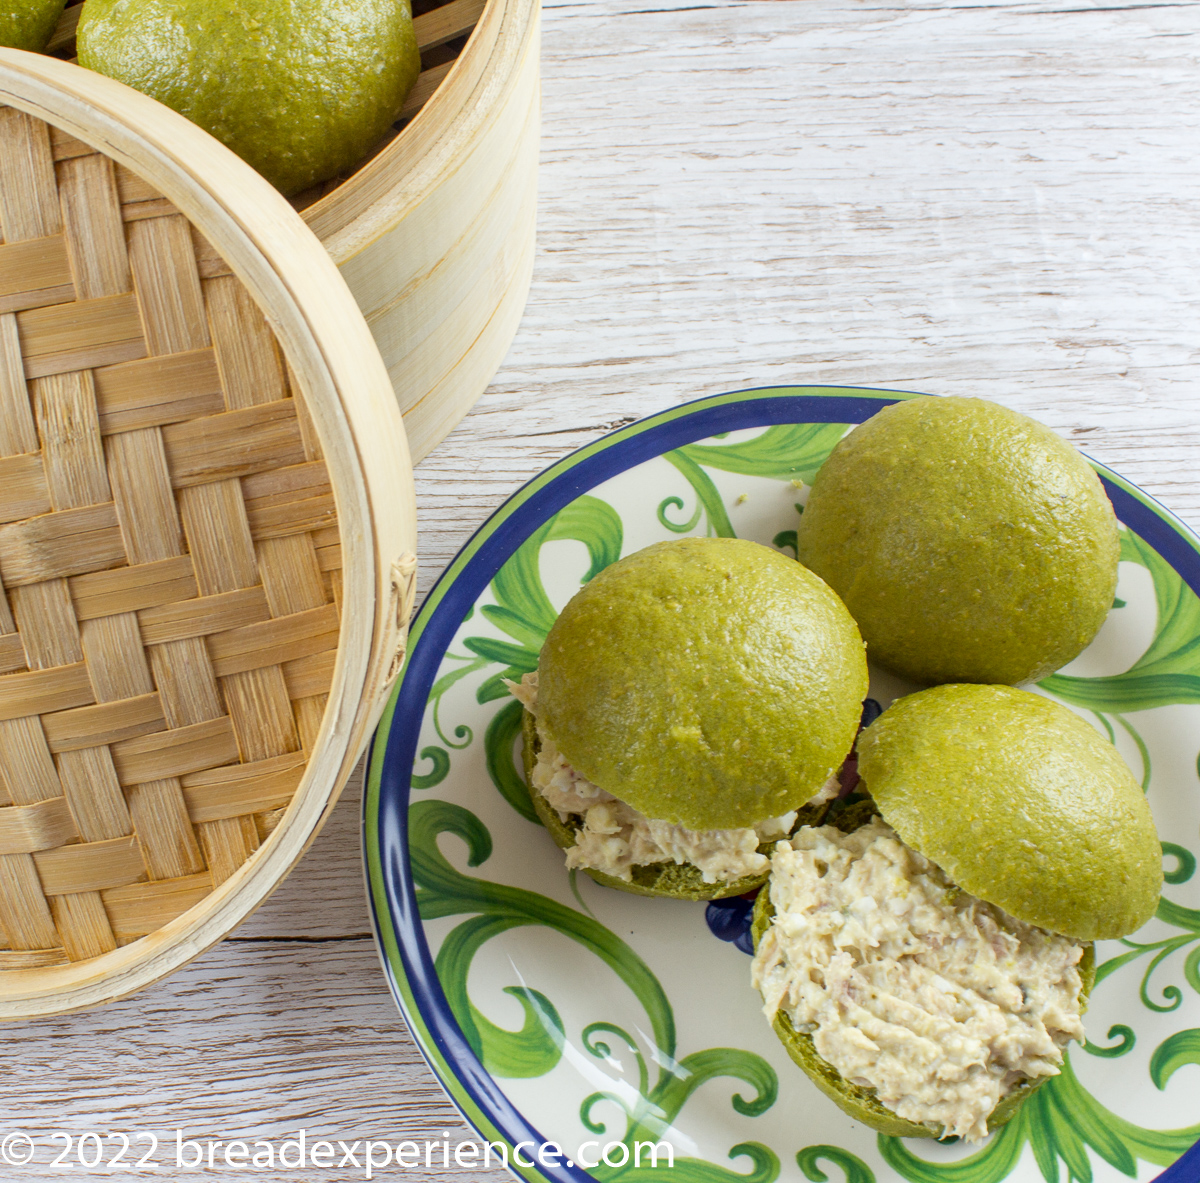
x: 970, y: 543
x: 1021, y: 802
x: 29, y: 24
x: 301, y: 90
x: 711, y: 682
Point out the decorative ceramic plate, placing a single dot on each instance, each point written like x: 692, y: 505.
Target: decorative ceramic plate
x: 556, y: 1010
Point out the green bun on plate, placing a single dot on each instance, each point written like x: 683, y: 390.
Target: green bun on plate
x: 970, y: 543
x: 708, y: 682
x: 1021, y: 803
x: 860, y: 1102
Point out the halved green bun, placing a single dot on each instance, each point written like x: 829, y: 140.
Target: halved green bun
x: 678, y: 881
x: 970, y: 543
x: 711, y: 682
x: 1021, y: 802
x: 861, y: 1103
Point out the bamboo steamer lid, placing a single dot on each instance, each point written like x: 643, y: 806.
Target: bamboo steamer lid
x: 206, y: 548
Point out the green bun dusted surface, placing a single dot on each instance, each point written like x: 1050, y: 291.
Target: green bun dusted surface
x: 677, y: 881
x: 29, y: 24
x: 1021, y: 802
x: 859, y: 1102
x: 970, y: 543
x: 710, y: 682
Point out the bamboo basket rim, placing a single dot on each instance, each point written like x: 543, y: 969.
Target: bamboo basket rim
x: 322, y: 332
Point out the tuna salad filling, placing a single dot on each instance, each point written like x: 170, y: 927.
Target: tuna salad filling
x: 613, y: 837
x: 939, y: 1002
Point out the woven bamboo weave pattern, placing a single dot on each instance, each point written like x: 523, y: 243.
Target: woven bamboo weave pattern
x: 169, y: 560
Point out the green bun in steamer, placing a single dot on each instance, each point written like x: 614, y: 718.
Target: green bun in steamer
x: 29, y: 24
x: 301, y: 90
x: 709, y: 682
x: 970, y: 543
x: 1021, y: 803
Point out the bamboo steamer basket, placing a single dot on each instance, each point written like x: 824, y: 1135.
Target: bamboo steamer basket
x: 201, y: 462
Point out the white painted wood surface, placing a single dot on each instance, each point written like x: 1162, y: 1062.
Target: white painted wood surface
x: 997, y: 199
